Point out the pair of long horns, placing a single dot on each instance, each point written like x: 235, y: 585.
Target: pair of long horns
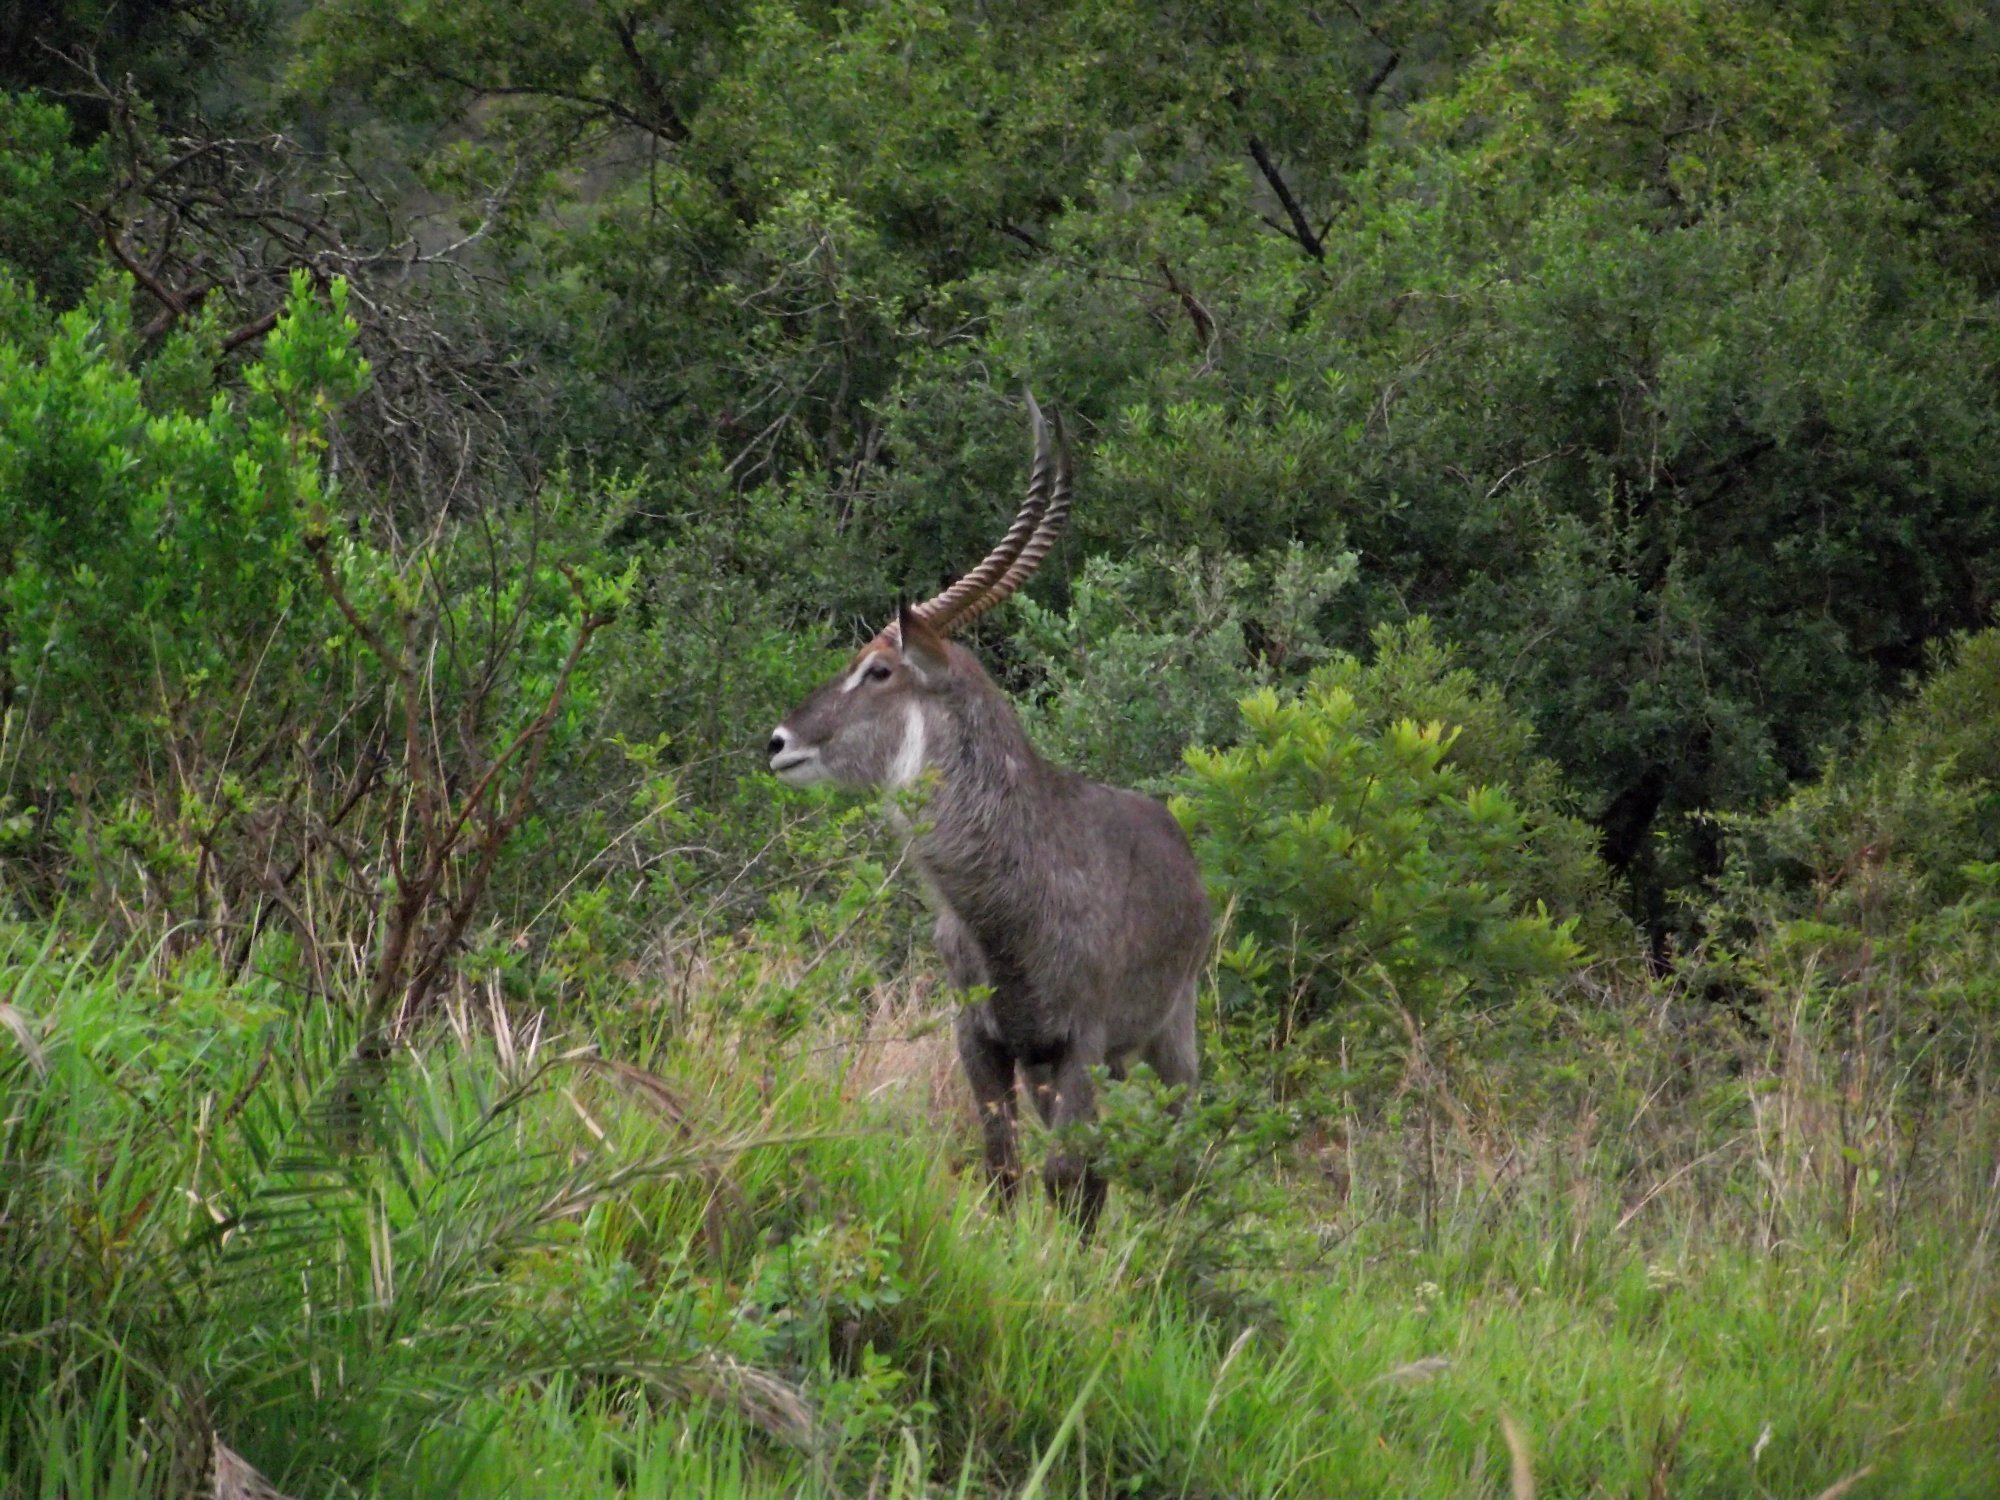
x: 1037, y: 525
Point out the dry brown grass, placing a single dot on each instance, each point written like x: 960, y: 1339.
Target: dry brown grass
x: 905, y: 1053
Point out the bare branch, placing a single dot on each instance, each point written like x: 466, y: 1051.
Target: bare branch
x: 1302, y: 229
x: 670, y: 124
x: 1198, y: 315
x: 601, y: 102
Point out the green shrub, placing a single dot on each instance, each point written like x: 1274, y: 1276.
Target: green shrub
x: 152, y: 554
x: 227, y: 706
x: 1153, y: 653
x: 1412, y: 674
x: 1916, y: 801
x: 1374, y: 887
x: 154, y: 578
x: 43, y: 177
x: 1875, y: 890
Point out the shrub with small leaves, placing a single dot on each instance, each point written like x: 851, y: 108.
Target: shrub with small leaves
x: 1875, y: 890
x: 1215, y: 1213
x: 1154, y: 651
x: 1371, y: 884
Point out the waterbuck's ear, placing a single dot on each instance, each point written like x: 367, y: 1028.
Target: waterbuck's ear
x: 923, y: 648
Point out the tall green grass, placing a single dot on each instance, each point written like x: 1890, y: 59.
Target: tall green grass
x: 495, y: 1264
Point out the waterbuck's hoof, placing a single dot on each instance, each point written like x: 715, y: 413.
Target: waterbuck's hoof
x: 1078, y: 1193
x: 1006, y: 1183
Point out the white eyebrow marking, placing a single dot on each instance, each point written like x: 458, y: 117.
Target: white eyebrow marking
x: 909, y: 762
x: 854, y: 677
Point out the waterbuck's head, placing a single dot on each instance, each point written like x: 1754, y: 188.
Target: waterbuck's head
x: 871, y: 725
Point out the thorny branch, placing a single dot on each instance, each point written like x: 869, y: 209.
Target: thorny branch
x: 453, y: 845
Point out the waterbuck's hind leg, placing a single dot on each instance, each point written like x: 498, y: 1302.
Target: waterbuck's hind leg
x: 989, y: 1068
x: 1065, y: 1096
x: 1173, y: 1053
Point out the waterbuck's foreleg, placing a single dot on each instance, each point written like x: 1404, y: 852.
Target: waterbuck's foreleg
x: 1064, y: 1096
x: 989, y: 1068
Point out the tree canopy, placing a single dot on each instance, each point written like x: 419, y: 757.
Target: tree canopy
x: 1646, y: 349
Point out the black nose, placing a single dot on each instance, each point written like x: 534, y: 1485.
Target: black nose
x: 777, y: 744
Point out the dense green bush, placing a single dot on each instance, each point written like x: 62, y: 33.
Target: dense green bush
x: 1913, y: 804
x: 1375, y: 891
x: 1153, y: 653
x: 1875, y: 890
x: 155, y: 538
x: 45, y: 178
x: 154, y: 580
x: 227, y: 704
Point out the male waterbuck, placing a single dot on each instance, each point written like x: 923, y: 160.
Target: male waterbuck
x: 1077, y: 905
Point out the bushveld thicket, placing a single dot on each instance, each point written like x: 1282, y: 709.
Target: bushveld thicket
x: 1537, y: 524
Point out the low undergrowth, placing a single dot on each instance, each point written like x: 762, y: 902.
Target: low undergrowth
x: 696, y: 1262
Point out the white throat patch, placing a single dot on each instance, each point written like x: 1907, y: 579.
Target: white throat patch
x: 909, y: 762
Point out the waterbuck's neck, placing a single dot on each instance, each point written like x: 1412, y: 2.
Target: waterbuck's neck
x: 990, y: 796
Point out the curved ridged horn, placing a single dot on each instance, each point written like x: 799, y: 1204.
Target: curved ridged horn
x: 944, y: 611
x: 1047, y: 531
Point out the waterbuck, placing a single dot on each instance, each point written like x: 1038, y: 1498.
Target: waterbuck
x: 1077, y: 905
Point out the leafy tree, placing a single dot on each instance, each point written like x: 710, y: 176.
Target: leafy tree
x: 1710, y: 525
x: 1641, y: 348
x: 44, y: 176
x: 167, y: 48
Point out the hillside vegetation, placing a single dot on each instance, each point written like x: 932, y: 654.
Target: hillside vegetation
x: 1537, y: 526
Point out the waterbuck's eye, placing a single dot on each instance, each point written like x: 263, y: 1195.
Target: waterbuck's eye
x: 878, y: 672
